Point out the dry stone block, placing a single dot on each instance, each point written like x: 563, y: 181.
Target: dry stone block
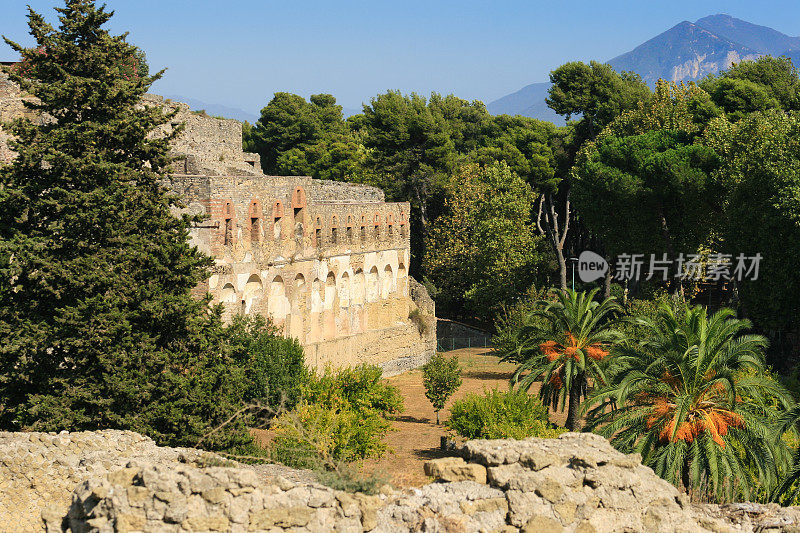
x: 119, y: 481
x: 455, y: 469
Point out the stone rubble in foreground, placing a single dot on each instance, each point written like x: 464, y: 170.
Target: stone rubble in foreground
x: 120, y: 481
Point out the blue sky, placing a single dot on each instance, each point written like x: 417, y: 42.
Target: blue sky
x: 238, y: 53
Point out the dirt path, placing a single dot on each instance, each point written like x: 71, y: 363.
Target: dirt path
x: 417, y: 437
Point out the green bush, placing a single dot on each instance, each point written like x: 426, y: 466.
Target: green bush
x: 274, y: 365
x: 361, y: 389
x: 343, y: 417
x: 512, y: 414
x: 315, y: 436
x: 441, y: 377
x: 647, y: 308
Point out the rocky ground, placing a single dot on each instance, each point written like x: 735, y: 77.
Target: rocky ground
x: 116, y: 481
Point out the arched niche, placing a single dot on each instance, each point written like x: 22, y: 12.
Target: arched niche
x: 298, y: 304
x: 228, y: 223
x: 387, y: 282
x: 277, y: 220
x: 373, y: 285
x: 403, y: 225
x: 334, y: 230
x: 316, y: 296
x: 256, y: 217
x: 402, y: 280
x: 299, y: 293
x: 299, y: 211
x: 278, y: 306
x: 318, y: 232
x: 298, y: 198
x: 344, y: 290
x: 362, y: 234
x: 358, y: 290
x: 330, y: 291
x: 377, y: 226
x: 253, y: 291
x: 349, y: 230
x: 228, y: 294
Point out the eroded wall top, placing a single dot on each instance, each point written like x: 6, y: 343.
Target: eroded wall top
x: 207, y: 145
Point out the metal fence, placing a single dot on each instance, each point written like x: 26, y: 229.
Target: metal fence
x: 447, y: 344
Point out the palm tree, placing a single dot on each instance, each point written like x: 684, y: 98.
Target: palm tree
x: 693, y: 399
x: 788, y: 488
x: 562, y: 344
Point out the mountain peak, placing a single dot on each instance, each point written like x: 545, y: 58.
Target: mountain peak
x: 686, y: 51
x: 762, y: 39
x: 719, y: 18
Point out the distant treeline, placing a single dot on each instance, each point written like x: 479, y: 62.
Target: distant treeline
x: 500, y: 203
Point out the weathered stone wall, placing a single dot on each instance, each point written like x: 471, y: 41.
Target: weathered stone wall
x: 207, y: 145
x: 327, y: 261
x: 395, y: 349
x: 39, y: 471
x: 339, y: 191
x: 116, y: 481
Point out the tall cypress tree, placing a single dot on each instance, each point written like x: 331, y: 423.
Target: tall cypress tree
x: 98, y: 325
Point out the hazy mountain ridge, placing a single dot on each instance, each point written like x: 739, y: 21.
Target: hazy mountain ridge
x: 216, y: 110
x: 685, y: 52
x: 688, y: 51
x: 528, y: 101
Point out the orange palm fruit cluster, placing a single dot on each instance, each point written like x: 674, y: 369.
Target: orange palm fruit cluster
x: 553, y: 350
x: 714, y: 420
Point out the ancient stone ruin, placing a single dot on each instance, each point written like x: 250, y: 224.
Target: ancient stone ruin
x: 326, y: 261
x: 119, y: 481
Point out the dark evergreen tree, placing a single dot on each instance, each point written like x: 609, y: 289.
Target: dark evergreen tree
x: 99, y: 326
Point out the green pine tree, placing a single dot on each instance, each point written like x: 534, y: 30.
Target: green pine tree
x: 98, y: 325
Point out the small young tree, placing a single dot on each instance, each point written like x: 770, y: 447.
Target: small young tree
x: 441, y: 377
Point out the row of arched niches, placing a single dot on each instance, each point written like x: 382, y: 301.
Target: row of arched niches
x: 315, y: 310
x: 333, y: 227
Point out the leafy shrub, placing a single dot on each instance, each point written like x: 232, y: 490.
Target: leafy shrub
x: 343, y: 417
x: 441, y: 377
x: 512, y: 414
x: 315, y: 436
x: 275, y: 365
x: 347, y: 478
x: 359, y: 388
